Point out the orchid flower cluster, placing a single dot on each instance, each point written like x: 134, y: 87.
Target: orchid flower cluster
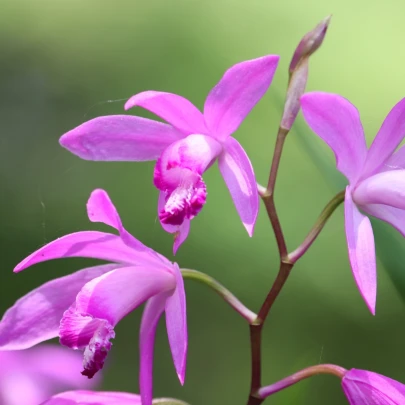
x: 83, y: 308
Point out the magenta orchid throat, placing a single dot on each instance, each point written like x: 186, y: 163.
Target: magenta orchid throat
x: 82, y: 309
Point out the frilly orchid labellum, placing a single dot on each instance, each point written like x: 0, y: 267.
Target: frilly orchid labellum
x: 187, y: 145
x: 83, y: 308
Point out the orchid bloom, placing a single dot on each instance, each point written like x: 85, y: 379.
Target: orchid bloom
x: 376, y: 176
x: 367, y: 388
x: 187, y: 146
x: 30, y: 376
x: 93, y: 398
x: 83, y: 308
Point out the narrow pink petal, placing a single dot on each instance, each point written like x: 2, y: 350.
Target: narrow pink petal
x: 176, y: 325
x: 101, y: 209
x: 93, y: 398
x: 238, y: 174
x: 238, y: 91
x: 337, y: 122
x: 35, y: 317
x: 98, y: 245
x: 383, y: 188
x: 394, y: 216
x: 360, y: 242
x: 387, y: 140
x: 363, y: 387
x: 181, y: 235
x: 150, y: 318
x: 116, y: 293
x: 119, y: 138
x: 181, y: 231
x: 174, y: 109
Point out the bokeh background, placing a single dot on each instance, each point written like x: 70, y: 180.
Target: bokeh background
x: 65, y: 62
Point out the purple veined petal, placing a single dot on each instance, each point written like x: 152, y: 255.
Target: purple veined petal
x: 119, y: 138
x: 360, y: 243
x: 93, y: 398
x: 363, y: 387
x: 97, y: 245
x: 174, y: 109
x: 101, y: 209
x: 35, y: 317
x: 176, y: 325
x: 383, y: 188
x: 391, y: 215
x: 239, y: 177
x: 181, y: 231
x: 116, y: 293
x: 337, y: 122
x: 238, y: 91
x: 387, y: 140
x: 150, y: 318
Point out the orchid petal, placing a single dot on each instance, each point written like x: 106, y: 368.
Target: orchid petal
x: 176, y: 325
x: 101, y: 209
x: 46, y: 359
x: 119, y: 138
x: 391, y: 215
x: 388, y: 138
x: 174, y: 109
x: 116, y: 293
x: 181, y: 231
x: 337, y: 122
x: 150, y: 318
x: 181, y: 235
x: 238, y: 174
x: 93, y: 398
x: 363, y: 387
x: 238, y: 91
x: 36, y: 316
x: 79, y: 331
x: 360, y: 242
x: 383, y: 188
x: 396, y: 161
x: 97, y: 245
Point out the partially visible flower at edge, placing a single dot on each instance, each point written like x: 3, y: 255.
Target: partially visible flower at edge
x: 187, y: 147
x: 376, y: 176
x: 94, y: 398
x: 363, y: 387
x: 30, y: 376
x: 104, y: 398
x: 83, y: 308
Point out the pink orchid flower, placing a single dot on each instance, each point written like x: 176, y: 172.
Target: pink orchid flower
x: 187, y: 147
x: 84, y: 307
x: 376, y: 176
x: 93, y: 398
x: 367, y: 388
x: 28, y: 377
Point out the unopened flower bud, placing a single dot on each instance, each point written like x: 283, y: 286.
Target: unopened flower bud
x: 310, y: 43
x: 299, y: 72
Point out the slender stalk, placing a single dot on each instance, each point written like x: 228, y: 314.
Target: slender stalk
x: 268, y: 194
x: 222, y: 291
x: 317, y: 228
x: 299, y: 376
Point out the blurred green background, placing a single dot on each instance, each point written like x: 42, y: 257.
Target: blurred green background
x: 65, y: 62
